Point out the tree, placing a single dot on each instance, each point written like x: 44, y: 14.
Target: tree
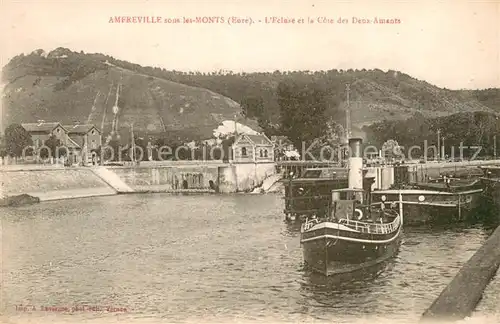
x: 391, y: 149
x: 16, y: 140
x: 302, y: 110
x: 3, y: 147
x: 141, y: 149
x: 252, y: 107
x: 112, y: 151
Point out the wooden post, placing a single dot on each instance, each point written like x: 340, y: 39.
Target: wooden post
x: 459, y: 299
x: 459, y: 208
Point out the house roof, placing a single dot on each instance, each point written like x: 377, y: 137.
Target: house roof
x: 76, y: 140
x: 80, y: 128
x: 259, y: 139
x: 40, y: 127
x: 72, y: 143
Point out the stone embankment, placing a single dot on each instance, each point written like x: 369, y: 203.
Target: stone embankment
x: 45, y: 183
x: 461, y: 297
x: 49, y: 183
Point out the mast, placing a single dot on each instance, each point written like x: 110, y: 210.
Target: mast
x: 439, y: 144
x: 235, y: 124
x: 348, y: 114
x: 347, y: 129
x: 115, y: 109
x: 116, y: 122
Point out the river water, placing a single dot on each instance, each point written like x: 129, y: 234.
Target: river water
x: 209, y: 258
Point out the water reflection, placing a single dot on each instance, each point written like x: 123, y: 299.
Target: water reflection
x: 167, y: 256
x: 344, y: 281
x: 292, y: 228
x: 347, y: 294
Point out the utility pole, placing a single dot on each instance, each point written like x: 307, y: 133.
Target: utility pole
x: 235, y: 124
x: 443, y: 150
x: 495, y: 146
x: 439, y: 145
x: 132, y: 154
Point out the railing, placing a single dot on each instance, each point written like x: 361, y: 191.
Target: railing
x: 309, y: 223
x: 307, y: 197
x: 373, y: 228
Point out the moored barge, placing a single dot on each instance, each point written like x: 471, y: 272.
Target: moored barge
x: 310, y: 193
x: 446, y: 200
x: 491, y: 193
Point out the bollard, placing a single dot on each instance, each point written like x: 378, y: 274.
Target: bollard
x: 459, y: 299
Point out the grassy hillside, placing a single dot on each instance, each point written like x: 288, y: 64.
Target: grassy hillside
x: 68, y: 87
x: 62, y: 85
x: 375, y: 95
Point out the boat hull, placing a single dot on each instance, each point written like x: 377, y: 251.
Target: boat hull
x: 491, y: 199
x: 332, y: 252
x: 420, y: 214
x: 435, y: 208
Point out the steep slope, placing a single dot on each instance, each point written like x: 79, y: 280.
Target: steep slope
x: 48, y: 87
x: 375, y: 95
x: 69, y: 86
x: 376, y: 100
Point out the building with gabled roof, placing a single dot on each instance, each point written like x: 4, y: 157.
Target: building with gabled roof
x: 86, y: 135
x: 41, y: 127
x: 252, y: 148
x: 41, y: 131
x: 79, y: 140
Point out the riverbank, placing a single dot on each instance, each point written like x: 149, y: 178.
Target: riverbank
x: 53, y: 182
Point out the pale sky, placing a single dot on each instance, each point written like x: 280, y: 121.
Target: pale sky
x: 453, y: 44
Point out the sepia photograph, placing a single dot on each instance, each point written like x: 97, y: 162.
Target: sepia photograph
x: 258, y: 161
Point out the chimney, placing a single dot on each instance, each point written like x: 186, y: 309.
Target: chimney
x: 355, y: 179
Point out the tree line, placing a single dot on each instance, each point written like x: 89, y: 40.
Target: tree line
x: 17, y: 142
x: 469, y: 129
x: 305, y: 106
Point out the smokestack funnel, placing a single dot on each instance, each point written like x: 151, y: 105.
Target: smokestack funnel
x: 355, y: 147
x: 356, y: 166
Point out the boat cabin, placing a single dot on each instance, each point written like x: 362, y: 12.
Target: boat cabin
x: 311, y: 194
x: 346, y: 206
x: 345, y: 203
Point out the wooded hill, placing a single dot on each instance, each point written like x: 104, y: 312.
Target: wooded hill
x: 70, y: 86
x: 466, y: 129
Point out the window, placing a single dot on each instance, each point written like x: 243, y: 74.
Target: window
x: 93, y: 132
x: 58, y: 130
x: 265, y: 153
x: 260, y: 153
x: 243, y: 151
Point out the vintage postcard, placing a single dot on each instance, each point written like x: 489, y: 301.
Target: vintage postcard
x: 249, y: 161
